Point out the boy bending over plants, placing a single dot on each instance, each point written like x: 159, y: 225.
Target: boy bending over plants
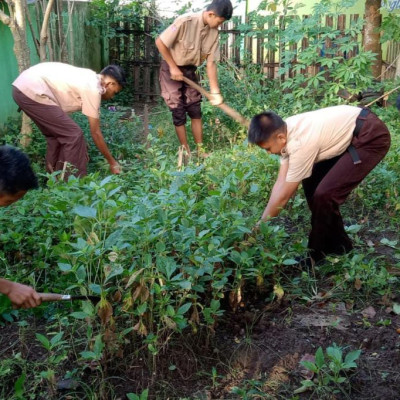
x: 184, y: 45
x: 16, y: 178
x: 329, y: 151
x: 48, y: 91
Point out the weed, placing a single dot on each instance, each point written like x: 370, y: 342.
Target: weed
x: 330, y: 371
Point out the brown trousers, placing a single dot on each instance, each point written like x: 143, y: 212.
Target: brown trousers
x: 332, y: 181
x: 180, y: 97
x: 65, y: 140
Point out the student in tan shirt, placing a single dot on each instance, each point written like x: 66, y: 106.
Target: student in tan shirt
x: 16, y: 178
x: 48, y: 91
x: 329, y: 151
x: 184, y: 45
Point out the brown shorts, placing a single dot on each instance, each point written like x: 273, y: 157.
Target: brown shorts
x: 65, y: 141
x: 180, y: 97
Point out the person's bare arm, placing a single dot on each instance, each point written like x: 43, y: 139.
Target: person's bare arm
x: 280, y: 195
x: 176, y: 73
x: 98, y: 139
x: 212, y: 73
x: 21, y: 296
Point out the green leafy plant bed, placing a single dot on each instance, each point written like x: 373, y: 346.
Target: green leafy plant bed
x: 194, y: 304
x: 184, y: 285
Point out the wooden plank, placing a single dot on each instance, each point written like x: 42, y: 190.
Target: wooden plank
x: 136, y: 68
x: 136, y: 46
x: 304, y: 45
x: 260, y: 45
x: 271, y: 52
x: 147, y: 57
x: 328, y: 42
x: 236, y: 43
x: 282, y: 45
x: 293, y: 52
x: 126, y: 50
x: 136, y: 81
x: 356, y: 49
x: 224, y: 49
x: 248, y: 43
x: 341, y: 24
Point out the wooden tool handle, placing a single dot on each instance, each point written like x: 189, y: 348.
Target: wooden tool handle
x: 225, y: 108
x: 54, y: 297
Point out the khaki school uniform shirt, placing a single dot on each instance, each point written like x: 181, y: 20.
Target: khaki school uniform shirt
x: 68, y: 87
x: 190, y: 41
x: 315, y: 136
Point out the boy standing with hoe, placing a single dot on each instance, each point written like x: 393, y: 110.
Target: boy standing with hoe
x: 185, y: 45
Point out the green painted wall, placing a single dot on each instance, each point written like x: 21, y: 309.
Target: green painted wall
x: 8, y: 68
x: 89, y: 52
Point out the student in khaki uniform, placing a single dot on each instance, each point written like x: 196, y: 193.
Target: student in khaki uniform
x: 329, y: 151
x: 184, y: 45
x: 47, y: 92
x: 16, y: 178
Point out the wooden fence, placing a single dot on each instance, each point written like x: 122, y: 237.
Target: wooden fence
x: 136, y: 51
x: 236, y: 46
x: 389, y: 64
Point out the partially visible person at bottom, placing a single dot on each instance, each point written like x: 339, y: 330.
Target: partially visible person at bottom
x: 329, y: 151
x: 48, y: 91
x: 184, y: 45
x: 16, y: 178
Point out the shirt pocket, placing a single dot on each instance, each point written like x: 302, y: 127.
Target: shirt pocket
x: 206, y: 48
x: 187, y: 47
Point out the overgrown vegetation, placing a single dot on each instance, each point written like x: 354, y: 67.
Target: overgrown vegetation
x: 167, y: 250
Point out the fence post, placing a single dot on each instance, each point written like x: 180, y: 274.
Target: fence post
x: 271, y: 52
x: 248, y: 42
x: 260, y: 45
x: 304, y: 45
x: 237, y: 41
x: 341, y: 25
x: 353, y: 20
x: 293, y: 51
x: 146, y: 122
x: 147, y: 58
x: 136, y: 67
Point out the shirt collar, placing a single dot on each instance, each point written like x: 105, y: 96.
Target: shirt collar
x: 202, y: 25
x: 100, y: 87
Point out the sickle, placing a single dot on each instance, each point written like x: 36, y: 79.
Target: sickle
x: 47, y: 297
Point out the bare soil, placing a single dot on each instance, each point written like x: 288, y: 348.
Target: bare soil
x: 260, y: 344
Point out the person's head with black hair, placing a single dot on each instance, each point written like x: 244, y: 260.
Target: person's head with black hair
x: 268, y: 131
x: 398, y: 103
x: 221, y: 8
x: 218, y: 12
x: 113, y: 81
x: 16, y: 175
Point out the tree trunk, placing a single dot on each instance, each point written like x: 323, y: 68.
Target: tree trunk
x: 373, y: 19
x: 71, y: 31
x: 17, y: 25
x: 61, y: 38
x: 44, y: 31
